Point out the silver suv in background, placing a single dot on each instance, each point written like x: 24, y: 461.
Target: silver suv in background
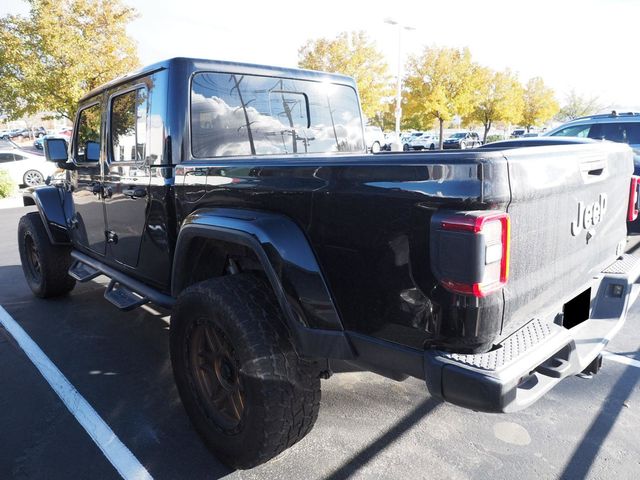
x: 623, y: 127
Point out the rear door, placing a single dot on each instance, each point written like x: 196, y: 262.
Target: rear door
x: 127, y: 173
x: 568, y: 217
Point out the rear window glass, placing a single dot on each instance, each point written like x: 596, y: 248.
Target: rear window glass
x: 237, y: 115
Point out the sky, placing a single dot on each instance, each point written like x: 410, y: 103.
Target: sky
x: 587, y: 45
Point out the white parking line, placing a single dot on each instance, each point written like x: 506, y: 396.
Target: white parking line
x: 621, y: 359
x: 120, y: 456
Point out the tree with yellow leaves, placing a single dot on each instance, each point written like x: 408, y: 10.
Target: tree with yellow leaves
x: 353, y: 54
x: 441, y: 83
x: 540, y: 104
x: 61, y: 50
x: 500, y: 99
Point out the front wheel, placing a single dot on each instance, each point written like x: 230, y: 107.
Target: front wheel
x: 375, y: 148
x: 33, y: 178
x: 463, y: 146
x: 246, y: 391
x: 45, y: 265
x: 432, y: 146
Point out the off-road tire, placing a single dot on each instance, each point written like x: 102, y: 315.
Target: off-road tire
x: 45, y: 266
x: 280, y: 391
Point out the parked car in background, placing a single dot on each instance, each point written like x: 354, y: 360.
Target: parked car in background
x: 462, y: 140
x: 424, y: 142
x: 25, y: 168
x: 621, y: 127
x: 374, y: 138
x: 389, y: 138
x: 518, y: 132
x: 407, y: 139
x: 13, y: 133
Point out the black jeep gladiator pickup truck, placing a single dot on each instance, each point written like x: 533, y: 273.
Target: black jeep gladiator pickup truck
x: 242, y: 198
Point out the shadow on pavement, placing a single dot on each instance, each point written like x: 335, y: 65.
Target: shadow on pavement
x: 351, y: 466
x: 586, y: 452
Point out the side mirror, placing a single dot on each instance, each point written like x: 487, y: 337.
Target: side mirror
x: 55, y: 150
x: 92, y: 152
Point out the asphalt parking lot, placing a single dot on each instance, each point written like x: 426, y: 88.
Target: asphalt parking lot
x: 369, y: 427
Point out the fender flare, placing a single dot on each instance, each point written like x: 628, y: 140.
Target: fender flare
x: 55, y: 206
x: 290, y: 266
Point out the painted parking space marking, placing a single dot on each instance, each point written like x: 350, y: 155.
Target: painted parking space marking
x: 621, y: 359
x: 116, y: 452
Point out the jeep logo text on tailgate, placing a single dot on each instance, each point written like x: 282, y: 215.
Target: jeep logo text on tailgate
x: 589, y: 216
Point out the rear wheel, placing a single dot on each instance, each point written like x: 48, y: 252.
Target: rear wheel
x: 432, y: 146
x: 33, y: 178
x: 246, y: 391
x: 375, y: 148
x: 45, y: 265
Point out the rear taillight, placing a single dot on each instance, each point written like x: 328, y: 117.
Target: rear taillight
x: 634, y: 198
x: 472, y: 250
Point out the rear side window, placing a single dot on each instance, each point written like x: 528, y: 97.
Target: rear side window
x: 622, y: 132
x: 128, y: 126
x: 236, y: 115
x: 88, y: 131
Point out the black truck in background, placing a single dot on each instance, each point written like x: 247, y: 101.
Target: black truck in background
x: 242, y: 198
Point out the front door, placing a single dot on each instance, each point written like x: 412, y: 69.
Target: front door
x: 87, y: 226
x: 126, y: 173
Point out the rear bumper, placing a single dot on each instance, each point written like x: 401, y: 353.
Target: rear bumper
x: 537, y: 357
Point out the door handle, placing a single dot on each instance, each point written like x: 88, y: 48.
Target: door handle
x: 134, y: 193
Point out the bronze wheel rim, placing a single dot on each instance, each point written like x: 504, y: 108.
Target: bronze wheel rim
x: 33, y: 259
x: 216, y: 376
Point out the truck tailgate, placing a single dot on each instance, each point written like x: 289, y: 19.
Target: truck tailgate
x: 568, y: 216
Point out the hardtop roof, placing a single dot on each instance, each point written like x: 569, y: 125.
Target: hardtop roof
x: 192, y: 65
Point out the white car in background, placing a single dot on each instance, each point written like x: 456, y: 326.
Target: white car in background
x: 374, y: 137
x: 424, y: 142
x: 25, y: 168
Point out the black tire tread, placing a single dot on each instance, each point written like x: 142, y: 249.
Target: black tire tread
x: 289, y: 386
x: 55, y: 260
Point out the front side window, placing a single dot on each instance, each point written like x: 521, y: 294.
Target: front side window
x: 128, y: 126
x: 88, y: 134
x: 573, y: 131
x: 236, y: 115
x: 6, y: 157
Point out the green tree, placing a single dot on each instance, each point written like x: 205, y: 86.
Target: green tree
x: 440, y: 83
x: 500, y: 99
x: 578, y: 106
x: 352, y: 54
x: 540, y: 104
x: 61, y: 50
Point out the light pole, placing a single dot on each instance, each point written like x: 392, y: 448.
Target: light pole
x: 395, y: 146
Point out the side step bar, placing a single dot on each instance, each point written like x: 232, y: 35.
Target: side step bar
x: 123, y: 291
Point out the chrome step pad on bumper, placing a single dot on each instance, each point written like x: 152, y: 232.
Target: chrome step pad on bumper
x: 535, y: 358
